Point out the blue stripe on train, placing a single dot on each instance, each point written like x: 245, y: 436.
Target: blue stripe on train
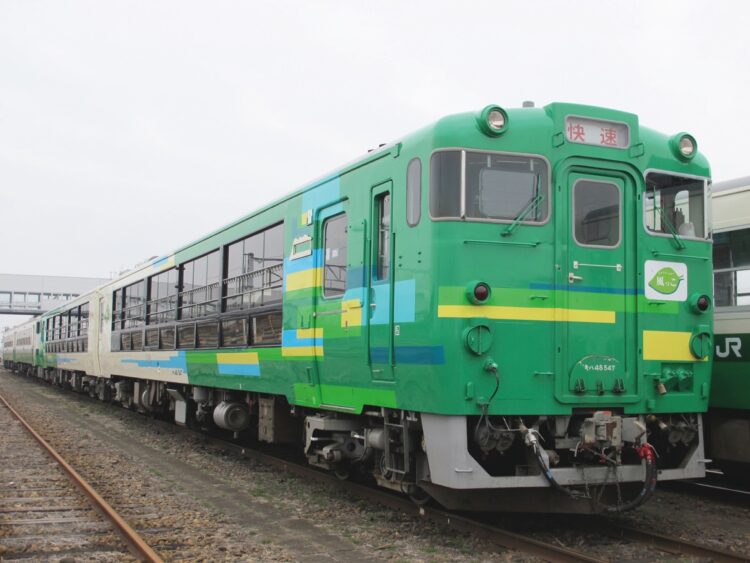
x: 421, y: 355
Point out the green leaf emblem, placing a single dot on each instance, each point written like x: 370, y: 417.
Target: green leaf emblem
x: 665, y: 281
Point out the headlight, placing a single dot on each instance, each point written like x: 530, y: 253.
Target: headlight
x: 687, y: 146
x: 496, y: 120
x: 684, y: 146
x: 493, y: 120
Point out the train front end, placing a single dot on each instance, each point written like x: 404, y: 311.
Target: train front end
x: 572, y: 288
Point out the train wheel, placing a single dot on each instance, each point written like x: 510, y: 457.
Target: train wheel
x: 342, y: 472
x: 419, y: 496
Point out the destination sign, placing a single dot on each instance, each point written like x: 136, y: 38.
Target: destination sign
x: 597, y: 132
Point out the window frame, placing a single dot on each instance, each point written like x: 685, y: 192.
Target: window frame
x: 224, y: 290
x: 731, y: 270
x: 463, y: 151
x: 383, y: 264
x: 707, y: 223
x: 181, y: 287
x: 414, y: 161
x: 620, y: 205
x: 324, y: 226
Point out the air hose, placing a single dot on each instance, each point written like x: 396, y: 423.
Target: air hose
x: 645, y: 452
x: 532, y: 441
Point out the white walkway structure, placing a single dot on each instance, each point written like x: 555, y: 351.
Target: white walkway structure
x: 33, y: 295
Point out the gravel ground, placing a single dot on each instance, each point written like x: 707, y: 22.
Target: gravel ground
x: 238, y: 509
x: 209, y: 505
x: 43, y: 514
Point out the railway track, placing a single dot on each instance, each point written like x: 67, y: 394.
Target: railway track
x: 715, y: 488
x: 661, y: 546
x: 48, y: 510
x: 478, y: 525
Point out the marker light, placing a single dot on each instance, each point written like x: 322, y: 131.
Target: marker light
x: 493, y: 120
x: 684, y: 146
x: 478, y: 292
x: 700, y: 303
x: 481, y: 292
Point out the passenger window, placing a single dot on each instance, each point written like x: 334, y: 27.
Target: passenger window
x: 334, y: 266
x: 414, y: 192
x: 732, y: 268
x: 596, y: 213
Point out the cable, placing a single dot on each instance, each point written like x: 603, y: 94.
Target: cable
x: 645, y: 452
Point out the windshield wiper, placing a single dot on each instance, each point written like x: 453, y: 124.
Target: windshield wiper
x: 530, y: 208
x: 667, y: 223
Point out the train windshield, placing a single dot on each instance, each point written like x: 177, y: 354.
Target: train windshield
x: 676, y: 206
x: 476, y: 186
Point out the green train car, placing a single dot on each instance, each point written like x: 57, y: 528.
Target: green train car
x: 506, y: 310
x: 728, y: 434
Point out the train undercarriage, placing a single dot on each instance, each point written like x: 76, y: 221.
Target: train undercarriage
x: 590, y: 461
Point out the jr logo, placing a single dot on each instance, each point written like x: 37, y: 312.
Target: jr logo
x: 665, y: 281
x: 732, y: 345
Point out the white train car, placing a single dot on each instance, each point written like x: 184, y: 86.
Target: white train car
x: 728, y: 421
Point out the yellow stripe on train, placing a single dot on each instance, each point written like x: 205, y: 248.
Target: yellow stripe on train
x: 304, y: 351
x: 304, y: 279
x: 237, y: 358
x: 527, y: 314
x: 668, y: 346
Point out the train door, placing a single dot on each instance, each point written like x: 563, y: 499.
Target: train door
x: 380, y: 282
x: 600, y: 339
x: 102, y: 338
x: 333, y: 378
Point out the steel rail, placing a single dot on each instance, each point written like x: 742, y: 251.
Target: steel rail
x: 499, y: 536
x: 493, y: 534
x: 672, y: 545
x: 135, y: 543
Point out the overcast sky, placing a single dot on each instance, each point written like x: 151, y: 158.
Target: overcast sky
x: 130, y: 128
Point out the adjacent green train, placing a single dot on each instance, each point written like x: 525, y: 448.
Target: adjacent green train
x: 728, y: 435
x: 509, y: 309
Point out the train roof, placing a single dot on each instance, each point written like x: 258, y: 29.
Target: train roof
x: 743, y: 182
x: 526, y: 126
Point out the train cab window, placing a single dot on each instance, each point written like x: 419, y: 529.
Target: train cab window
x: 445, y: 184
x: 675, y: 206
x: 505, y: 188
x: 414, y: 192
x: 596, y: 213
x: 334, y: 265
x: 478, y: 186
x: 732, y: 268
